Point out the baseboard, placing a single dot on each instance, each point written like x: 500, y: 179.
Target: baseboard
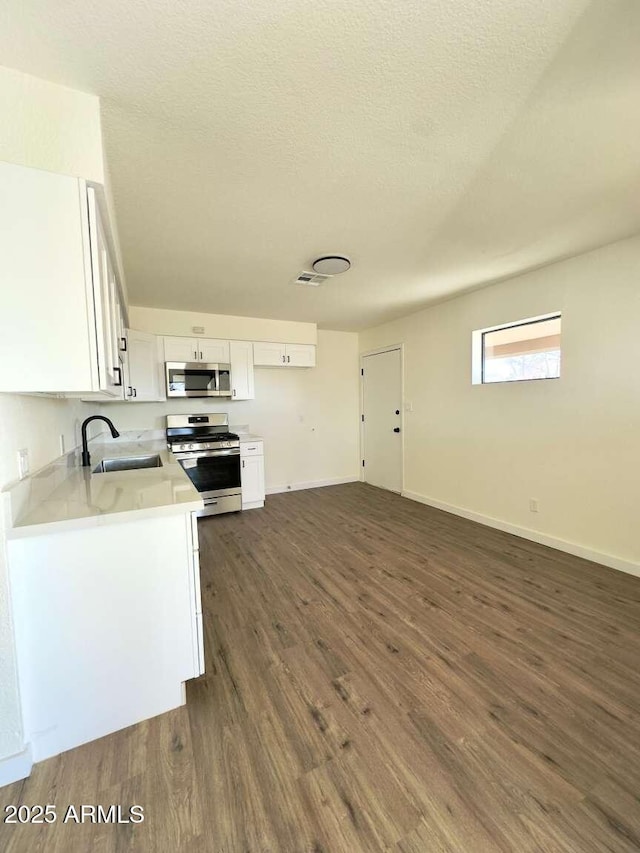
x: 16, y: 767
x: 311, y: 484
x: 253, y: 505
x: 533, y: 535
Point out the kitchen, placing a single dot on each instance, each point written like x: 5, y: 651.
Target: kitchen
x: 317, y: 525
x: 151, y: 483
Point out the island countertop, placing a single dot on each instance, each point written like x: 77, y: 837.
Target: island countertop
x: 66, y: 496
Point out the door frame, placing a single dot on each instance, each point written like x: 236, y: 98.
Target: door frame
x: 363, y: 355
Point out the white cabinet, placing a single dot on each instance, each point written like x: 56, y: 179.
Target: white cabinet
x: 213, y: 351
x: 300, y: 355
x: 143, y: 367
x: 106, y: 303
x: 266, y: 354
x: 59, y: 293
x: 107, y: 625
x: 180, y: 349
x: 208, y: 350
x: 252, y: 474
x: 241, y: 360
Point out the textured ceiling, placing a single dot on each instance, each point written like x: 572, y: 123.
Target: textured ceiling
x: 440, y: 144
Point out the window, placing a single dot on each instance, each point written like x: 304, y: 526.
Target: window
x: 528, y: 349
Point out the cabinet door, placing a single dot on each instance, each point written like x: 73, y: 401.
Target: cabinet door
x: 252, y: 479
x: 104, y: 289
x: 180, y: 349
x: 268, y: 354
x: 213, y: 351
x: 241, y: 360
x: 47, y: 322
x: 300, y: 355
x: 142, y: 381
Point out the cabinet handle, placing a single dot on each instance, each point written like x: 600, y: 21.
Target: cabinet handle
x: 284, y: 358
x: 135, y: 392
x: 288, y: 358
x: 130, y: 391
x: 119, y: 382
x: 243, y: 463
x: 200, y: 356
x: 123, y: 344
x: 233, y: 393
x: 195, y: 355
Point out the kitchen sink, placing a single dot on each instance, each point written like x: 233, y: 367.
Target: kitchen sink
x: 128, y: 463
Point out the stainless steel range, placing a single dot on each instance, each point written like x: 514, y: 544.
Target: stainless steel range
x: 210, y: 455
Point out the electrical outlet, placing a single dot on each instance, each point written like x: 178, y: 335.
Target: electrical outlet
x: 23, y: 462
x: 533, y: 504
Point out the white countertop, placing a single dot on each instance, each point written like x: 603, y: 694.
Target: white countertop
x: 66, y: 496
x: 248, y: 436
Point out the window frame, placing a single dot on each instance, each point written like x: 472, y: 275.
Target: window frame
x: 477, y: 348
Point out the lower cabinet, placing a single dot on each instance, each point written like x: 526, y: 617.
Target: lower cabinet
x: 252, y: 474
x: 108, y: 626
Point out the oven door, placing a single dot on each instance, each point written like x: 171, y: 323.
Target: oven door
x: 193, y: 379
x: 214, y: 473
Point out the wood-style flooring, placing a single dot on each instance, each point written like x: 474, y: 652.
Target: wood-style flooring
x: 380, y: 676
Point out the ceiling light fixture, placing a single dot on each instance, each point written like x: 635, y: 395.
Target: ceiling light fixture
x: 331, y: 265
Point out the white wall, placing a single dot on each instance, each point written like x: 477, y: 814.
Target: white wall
x: 162, y: 321
x: 572, y: 443
x: 49, y: 127
x: 307, y: 417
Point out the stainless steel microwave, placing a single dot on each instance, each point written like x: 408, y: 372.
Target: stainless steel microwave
x: 196, y: 379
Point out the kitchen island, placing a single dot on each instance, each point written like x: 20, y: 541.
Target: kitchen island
x: 105, y: 590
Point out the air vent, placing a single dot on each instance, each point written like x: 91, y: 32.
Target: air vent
x: 311, y: 279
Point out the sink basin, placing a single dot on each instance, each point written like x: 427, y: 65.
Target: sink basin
x: 128, y: 463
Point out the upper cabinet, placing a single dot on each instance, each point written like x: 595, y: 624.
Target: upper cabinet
x: 208, y: 350
x: 266, y: 354
x: 213, y: 351
x: 144, y: 368
x: 300, y: 355
x: 283, y: 355
x: 106, y: 304
x: 241, y: 360
x: 60, y: 300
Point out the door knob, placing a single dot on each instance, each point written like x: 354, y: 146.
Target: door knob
x: 396, y: 429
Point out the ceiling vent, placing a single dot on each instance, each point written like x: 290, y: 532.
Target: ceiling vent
x: 323, y: 268
x: 311, y: 279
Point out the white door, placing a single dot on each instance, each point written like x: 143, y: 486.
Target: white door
x: 382, y: 410
x: 180, y: 349
x: 241, y: 360
x: 267, y: 354
x: 300, y: 355
x: 213, y: 351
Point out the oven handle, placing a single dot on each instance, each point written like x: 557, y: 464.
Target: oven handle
x: 199, y: 454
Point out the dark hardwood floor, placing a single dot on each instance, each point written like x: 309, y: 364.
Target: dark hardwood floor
x: 380, y: 676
